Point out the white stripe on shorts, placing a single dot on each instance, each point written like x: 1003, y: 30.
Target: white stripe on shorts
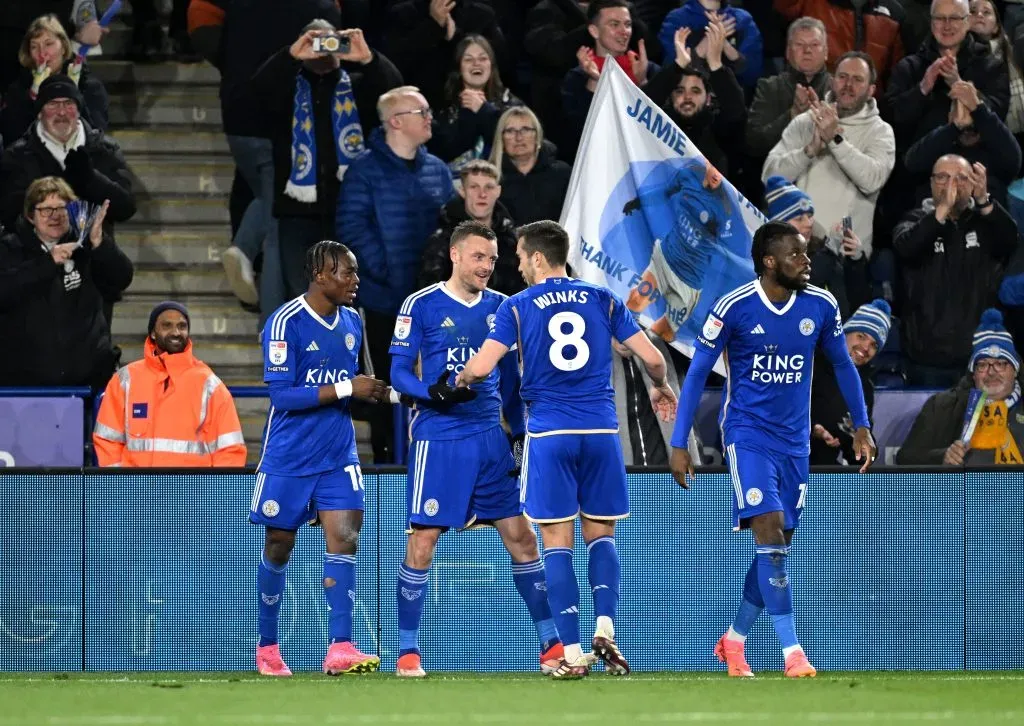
x: 257, y: 490
x: 734, y: 474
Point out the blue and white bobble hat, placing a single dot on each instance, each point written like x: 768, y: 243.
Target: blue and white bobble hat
x: 872, y: 319
x: 991, y: 340
x: 785, y: 200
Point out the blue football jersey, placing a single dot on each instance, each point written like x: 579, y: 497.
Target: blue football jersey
x: 564, y: 330
x: 444, y: 332
x: 302, y: 349
x: 769, y: 358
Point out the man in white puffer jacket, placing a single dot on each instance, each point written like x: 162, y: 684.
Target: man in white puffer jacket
x: 840, y: 151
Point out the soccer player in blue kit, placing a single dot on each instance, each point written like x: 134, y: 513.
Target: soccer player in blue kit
x: 461, y: 470
x: 767, y: 332
x: 704, y: 214
x: 309, y: 468
x: 572, y: 465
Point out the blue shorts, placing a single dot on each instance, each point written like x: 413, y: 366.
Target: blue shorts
x: 285, y: 502
x: 766, y: 481
x: 569, y: 474
x: 459, y: 482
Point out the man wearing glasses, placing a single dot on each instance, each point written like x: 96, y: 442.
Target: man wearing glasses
x: 953, y: 251
x: 388, y: 206
x: 54, y: 275
x: 923, y: 83
x: 980, y: 420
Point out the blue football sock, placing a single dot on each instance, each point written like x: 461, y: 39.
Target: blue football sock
x: 752, y: 603
x: 410, y: 593
x: 529, y: 580
x: 341, y: 597
x: 604, y: 572
x: 270, y: 581
x: 776, y: 591
x: 563, y: 593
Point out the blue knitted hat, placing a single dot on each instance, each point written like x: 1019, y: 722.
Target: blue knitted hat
x: 872, y: 319
x: 991, y: 340
x: 785, y: 200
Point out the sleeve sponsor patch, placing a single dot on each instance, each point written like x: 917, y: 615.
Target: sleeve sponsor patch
x: 712, y: 327
x: 278, y: 352
x: 402, y: 327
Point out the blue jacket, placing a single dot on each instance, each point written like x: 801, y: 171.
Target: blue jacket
x: 386, y: 212
x: 747, y: 38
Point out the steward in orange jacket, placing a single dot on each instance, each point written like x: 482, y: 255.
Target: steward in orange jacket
x: 168, y: 409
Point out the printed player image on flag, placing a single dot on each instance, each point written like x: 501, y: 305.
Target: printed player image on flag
x: 649, y: 216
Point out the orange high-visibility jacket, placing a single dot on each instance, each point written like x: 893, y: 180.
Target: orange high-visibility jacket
x: 168, y: 410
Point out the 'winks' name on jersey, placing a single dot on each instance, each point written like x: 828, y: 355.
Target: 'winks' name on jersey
x: 564, y: 328
x: 769, y: 355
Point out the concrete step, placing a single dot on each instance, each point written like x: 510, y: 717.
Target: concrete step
x: 189, y: 175
x: 218, y: 354
x: 211, y: 318
x: 171, y: 141
x: 182, y: 209
x: 173, y: 281
x: 148, y: 104
x: 118, y: 72
x: 184, y: 245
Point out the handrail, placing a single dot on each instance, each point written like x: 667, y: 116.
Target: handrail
x: 57, y: 392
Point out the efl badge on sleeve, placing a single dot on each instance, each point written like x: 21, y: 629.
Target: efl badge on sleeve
x: 402, y: 327
x: 278, y: 352
x: 712, y: 327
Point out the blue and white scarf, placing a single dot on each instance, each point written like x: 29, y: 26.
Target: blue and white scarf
x: 348, y: 134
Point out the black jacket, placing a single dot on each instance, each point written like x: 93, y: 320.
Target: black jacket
x: 274, y: 83
x: 997, y: 150
x: 941, y: 422
x: 19, y: 109
x: 437, y: 263
x: 844, y: 277
x: 418, y: 46
x: 538, y: 194
x: 96, y: 172
x: 457, y: 131
x: 950, y: 274
x: 769, y: 112
x: 913, y: 115
x: 828, y: 408
x: 53, y: 317
x: 718, y: 125
x: 253, y: 31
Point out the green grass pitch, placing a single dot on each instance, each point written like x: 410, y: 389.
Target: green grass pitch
x: 169, y: 699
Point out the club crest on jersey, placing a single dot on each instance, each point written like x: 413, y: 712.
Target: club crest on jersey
x: 712, y: 327
x: 754, y: 496
x: 402, y: 327
x: 278, y: 352
x: 271, y: 508
x: 430, y: 507
x: 806, y: 326
x: 350, y: 341
x: 490, y: 322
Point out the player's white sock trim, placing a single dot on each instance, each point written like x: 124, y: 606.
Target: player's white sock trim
x: 573, y: 653
x: 604, y: 627
x: 733, y: 635
x: 791, y: 649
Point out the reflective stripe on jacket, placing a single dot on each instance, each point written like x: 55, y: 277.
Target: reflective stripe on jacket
x: 168, y: 410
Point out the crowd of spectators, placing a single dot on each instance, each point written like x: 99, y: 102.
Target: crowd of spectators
x: 887, y: 131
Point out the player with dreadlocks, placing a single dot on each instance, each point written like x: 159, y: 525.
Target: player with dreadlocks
x: 309, y: 467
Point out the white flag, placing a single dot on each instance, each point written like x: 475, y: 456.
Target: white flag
x: 650, y: 218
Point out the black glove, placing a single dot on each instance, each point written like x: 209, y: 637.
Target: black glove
x: 442, y: 392
x: 517, y: 443
x: 631, y: 206
x: 78, y: 168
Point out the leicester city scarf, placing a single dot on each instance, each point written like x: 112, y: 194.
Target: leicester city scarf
x: 348, y: 135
